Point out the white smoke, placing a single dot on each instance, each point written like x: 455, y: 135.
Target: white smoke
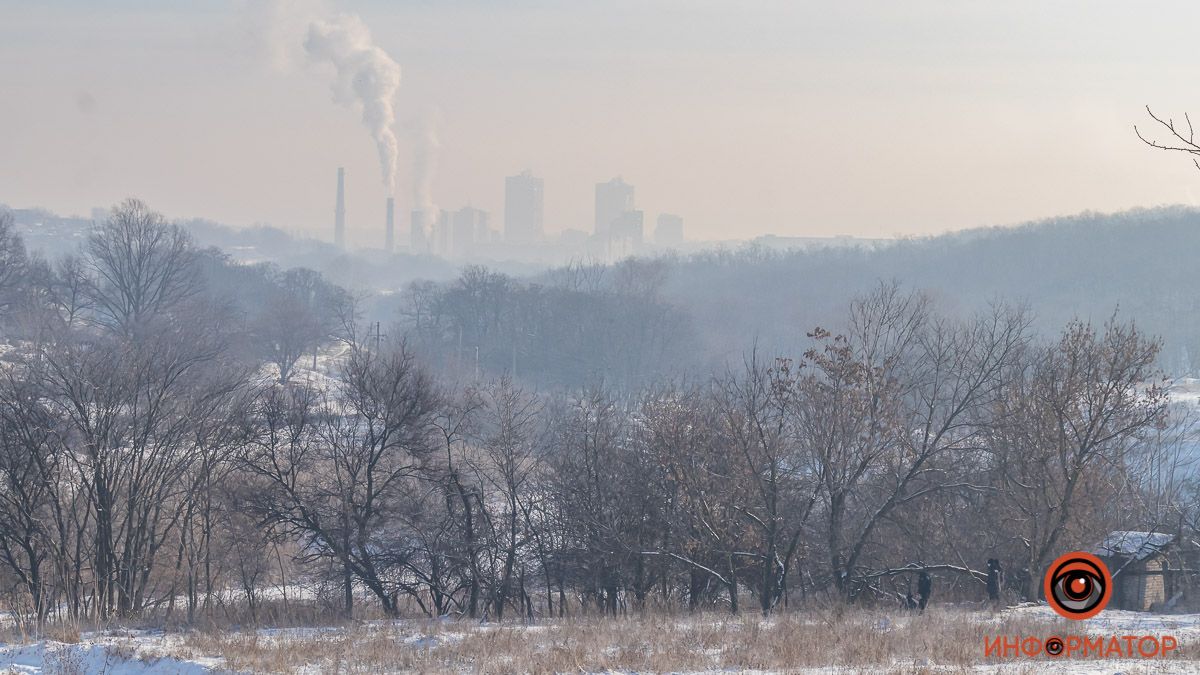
x: 278, y: 27
x: 425, y: 155
x: 366, y: 78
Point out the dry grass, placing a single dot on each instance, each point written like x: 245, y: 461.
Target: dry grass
x: 856, y: 640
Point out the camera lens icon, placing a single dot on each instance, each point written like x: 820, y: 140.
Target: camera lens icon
x: 1078, y: 585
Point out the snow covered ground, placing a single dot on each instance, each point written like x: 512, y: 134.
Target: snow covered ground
x: 705, y: 644
x: 116, y: 653
x: 1115, y: 621
x: 1185, y: 390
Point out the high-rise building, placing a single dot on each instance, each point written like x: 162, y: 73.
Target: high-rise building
x: 441, y: 233
x: 625, y: 234
x: 613, y: 199
x: 339, y: 212
x: 450, y: 234
x: 470, y: 228
x: 523, y: 208
x: 669, y: 231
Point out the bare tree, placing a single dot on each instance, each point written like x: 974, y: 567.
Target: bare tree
x: 890, y: 415
x: 508, y: 463
x: 302, y: 313
x: 458, y: 539
x: 590, y: 478
x: 704, y: 490
x: 69, y: 291
x: 30, y: 472
x: 1067, y: 429
x: 1178, y: 138
x: 338, y: 473
x: 756, y: 411
x: 12, y: 259
x: 139, y: 267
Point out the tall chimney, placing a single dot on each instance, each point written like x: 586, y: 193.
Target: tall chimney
x: 391, y: 225
x: 339, y: 214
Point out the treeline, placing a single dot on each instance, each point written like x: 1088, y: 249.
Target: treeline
x: 580, y: 325
x: 165, y: 439
x: 702, y: 311
x: 1063, y: 268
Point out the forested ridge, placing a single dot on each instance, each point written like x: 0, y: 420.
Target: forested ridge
x: 175, y: 425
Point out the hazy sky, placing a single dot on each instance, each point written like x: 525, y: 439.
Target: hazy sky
x: 799, y: 118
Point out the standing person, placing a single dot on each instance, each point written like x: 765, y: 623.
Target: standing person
x: 924, y: 588
x: 995, y: 580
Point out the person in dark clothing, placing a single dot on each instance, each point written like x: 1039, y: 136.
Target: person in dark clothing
x: 995, y: 579
x: 909, y: 602
x: 924, y: 588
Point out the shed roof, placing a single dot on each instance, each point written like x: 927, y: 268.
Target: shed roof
x: 1136, y: 545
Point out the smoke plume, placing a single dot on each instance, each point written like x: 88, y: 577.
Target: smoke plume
x: 425, y: 156
x: 366, y: 77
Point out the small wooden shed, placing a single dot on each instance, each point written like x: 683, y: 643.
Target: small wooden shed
x: 1138, y: 564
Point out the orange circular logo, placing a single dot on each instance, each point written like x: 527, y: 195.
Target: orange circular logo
x: 1078, y: 585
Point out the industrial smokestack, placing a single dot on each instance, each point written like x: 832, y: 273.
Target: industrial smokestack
x: 339, y: 214
x: 391, y: 224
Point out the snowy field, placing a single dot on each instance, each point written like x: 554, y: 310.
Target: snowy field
x: 111, y: 653
x: 942, y: 641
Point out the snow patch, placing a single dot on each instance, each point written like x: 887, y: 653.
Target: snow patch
x: 96, y: 657
x: 1139, y: 545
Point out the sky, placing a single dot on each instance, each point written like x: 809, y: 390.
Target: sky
x: 797, y: 118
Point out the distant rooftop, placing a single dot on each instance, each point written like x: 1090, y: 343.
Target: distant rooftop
x: 1137, y: 545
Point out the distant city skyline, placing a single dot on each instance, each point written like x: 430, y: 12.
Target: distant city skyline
x: 456, y: 233
x: 796, y: 119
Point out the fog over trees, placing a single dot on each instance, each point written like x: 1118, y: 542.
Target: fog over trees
x: 744, y: 430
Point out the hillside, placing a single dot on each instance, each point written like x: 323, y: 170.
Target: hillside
x: 1142, y: 262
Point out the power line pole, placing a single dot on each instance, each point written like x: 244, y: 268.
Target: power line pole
x: 378, y: 338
